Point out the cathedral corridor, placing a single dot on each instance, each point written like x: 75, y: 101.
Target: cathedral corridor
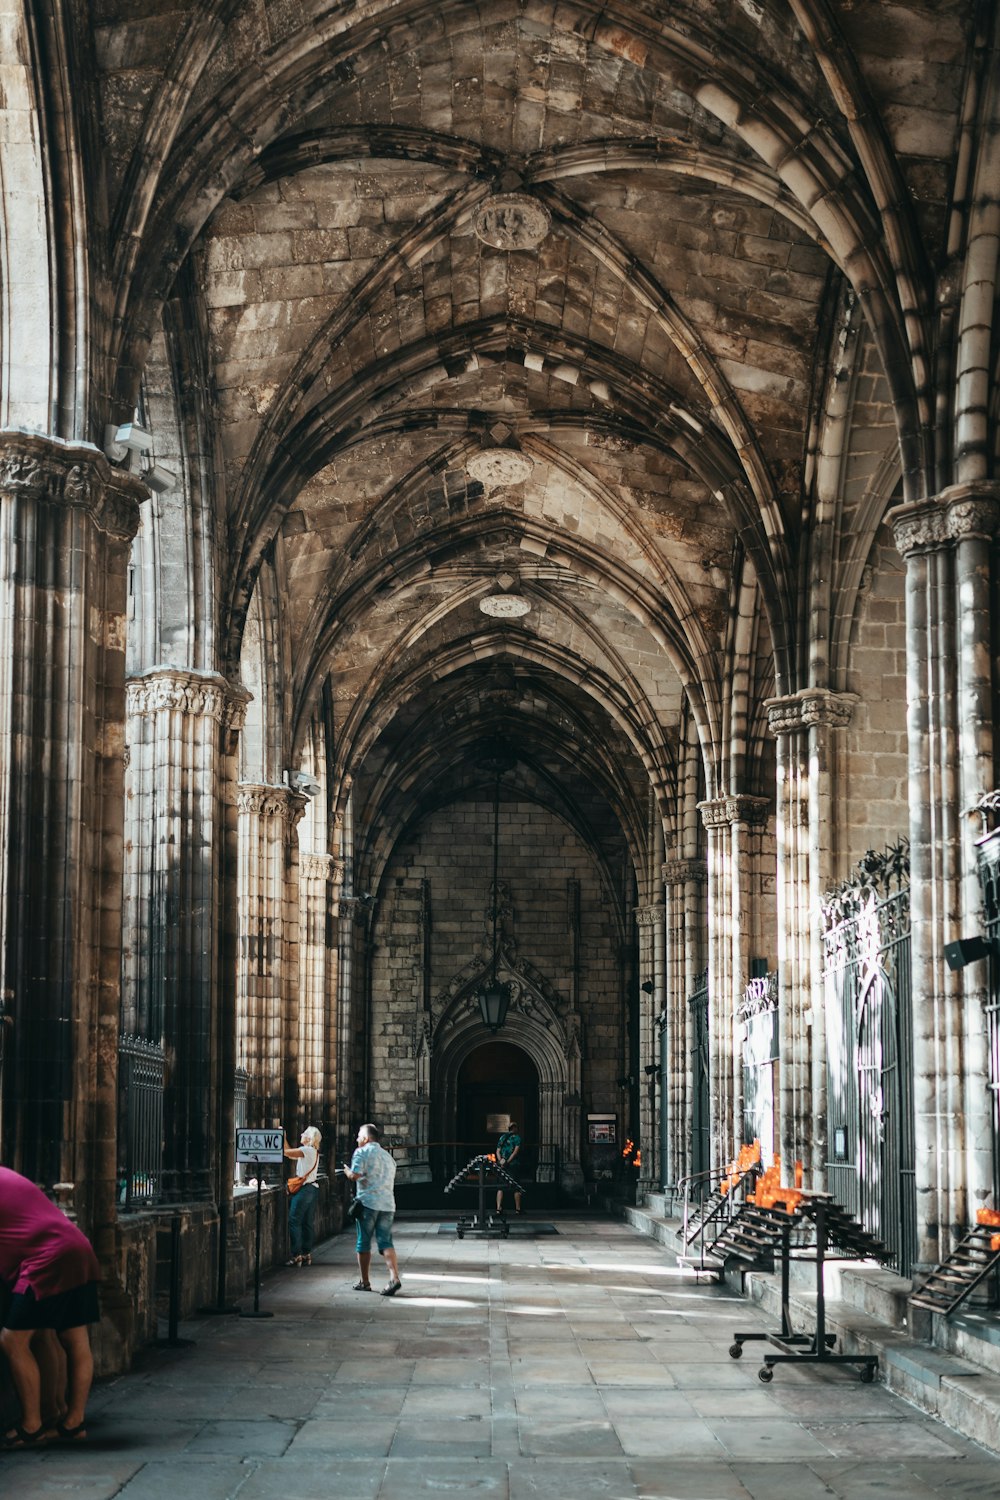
x: 572, y: 1360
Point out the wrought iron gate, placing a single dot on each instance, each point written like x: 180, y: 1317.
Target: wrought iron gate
x: 989, y: 875
x: 759, y: 1014
x: 869, y: 1052
x: 701, y: 1133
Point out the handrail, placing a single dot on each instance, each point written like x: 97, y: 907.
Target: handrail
x: 747, y: 1167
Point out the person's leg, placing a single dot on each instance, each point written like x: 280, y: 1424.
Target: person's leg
x: 517, y: 1203
x: 365, y: 1223
x: 383, y: 1234
x: 24, y: 1371
x: 499, y: 1199
x: 51, y: 1360
x: 295, y: 1208
x: 80, y: 1372
x: 308, y: 1239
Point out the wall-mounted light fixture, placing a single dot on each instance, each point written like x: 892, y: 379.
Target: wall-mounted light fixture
x: 966, y: 951
x: 647, y: 986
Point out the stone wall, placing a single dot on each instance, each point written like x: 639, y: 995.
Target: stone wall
x: 452, y: 851
x: 873, y: 790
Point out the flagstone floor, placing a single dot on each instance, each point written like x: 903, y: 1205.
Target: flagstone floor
x: 571, y: 1365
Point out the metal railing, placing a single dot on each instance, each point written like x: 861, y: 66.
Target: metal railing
x: 140, y: 1113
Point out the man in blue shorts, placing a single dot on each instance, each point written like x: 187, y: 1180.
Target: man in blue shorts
x: 374, y: 1170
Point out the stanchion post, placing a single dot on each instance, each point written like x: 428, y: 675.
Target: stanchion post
x: 256, y: 1313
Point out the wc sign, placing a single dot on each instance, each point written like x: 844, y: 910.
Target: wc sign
x: 260, y: 1146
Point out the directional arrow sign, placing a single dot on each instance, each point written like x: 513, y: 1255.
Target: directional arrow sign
x: 260, y: 1145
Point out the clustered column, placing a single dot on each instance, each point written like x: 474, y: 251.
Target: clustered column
x: 267, y: 967
x: 649, y: 920
x: 735, y: 826
x: 316, y: 983
x: 949, y: 546
x: 685, y: 881
x: 173, y: 899
x: 806, y: 726
x: 66, y: 522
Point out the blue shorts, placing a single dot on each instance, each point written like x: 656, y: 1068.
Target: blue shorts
x: 377, y: 1222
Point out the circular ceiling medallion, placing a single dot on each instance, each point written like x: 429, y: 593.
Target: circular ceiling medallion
x: 512, y: 221
x: 494, y: 467
x: 504, y: 606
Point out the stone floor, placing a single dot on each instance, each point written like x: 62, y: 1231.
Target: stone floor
x: 569, y: 1364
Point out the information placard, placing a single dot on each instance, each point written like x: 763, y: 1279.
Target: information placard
x: 260, y: 1145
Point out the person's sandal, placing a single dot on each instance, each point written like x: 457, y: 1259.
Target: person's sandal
x: 391, y: 1289
x: 362, y: 1286
x: 76, y: 1434
x: 20, y: 1437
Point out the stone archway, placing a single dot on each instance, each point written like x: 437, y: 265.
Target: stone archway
x: 552, y: 1044
x: 498, y: 1082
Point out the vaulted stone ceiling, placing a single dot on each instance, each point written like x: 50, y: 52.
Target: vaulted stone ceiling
x: 711, y: 187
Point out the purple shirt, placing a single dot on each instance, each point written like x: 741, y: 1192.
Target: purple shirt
x: 39, y: 1248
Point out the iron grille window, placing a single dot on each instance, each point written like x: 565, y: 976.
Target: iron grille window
x: 871, y: 1151
x: 140, y: 1133
x: 759, y: 1014
x: 989, y: 876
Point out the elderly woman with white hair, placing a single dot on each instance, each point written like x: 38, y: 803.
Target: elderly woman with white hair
x: 302, y: 1208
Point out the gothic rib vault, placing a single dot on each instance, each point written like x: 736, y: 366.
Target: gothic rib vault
x: 674, y: 321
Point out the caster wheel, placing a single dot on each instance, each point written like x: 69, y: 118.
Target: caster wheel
x: 867, y: 1375
x: 766, y: 1374
x: 736, y: 1351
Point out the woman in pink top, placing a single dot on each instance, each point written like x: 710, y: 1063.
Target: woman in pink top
x: 51, y: 1272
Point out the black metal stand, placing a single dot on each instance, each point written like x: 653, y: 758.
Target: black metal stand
x: 256, y: 1313
x: 484, y: 1222
x: 815, y: 1348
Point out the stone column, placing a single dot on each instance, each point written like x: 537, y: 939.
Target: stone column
x: 948, y: 543
x: 267, y: 972
x: 315, y: 989
x: 806, y: 726
x: 66, y: 521
x: 685, y: 881
x: 734, y: 825
x: 173, y: 883
x: 650, y: 922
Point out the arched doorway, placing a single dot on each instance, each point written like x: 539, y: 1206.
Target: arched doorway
x: 497, y: 1082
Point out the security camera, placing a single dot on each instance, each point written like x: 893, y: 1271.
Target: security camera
x: 306, y: 784
x: 159, y: 479
x: 131, y: 435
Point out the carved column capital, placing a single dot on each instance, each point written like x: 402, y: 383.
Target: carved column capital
x: 315, y: 866
x: 961, y: 511
x: 266, y: 801
x: 176, y: 690
x: 680, y: 871
x: 723, y: 812
x: 649, y: 915
x: 808, y: 707
x: 75, y: 476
